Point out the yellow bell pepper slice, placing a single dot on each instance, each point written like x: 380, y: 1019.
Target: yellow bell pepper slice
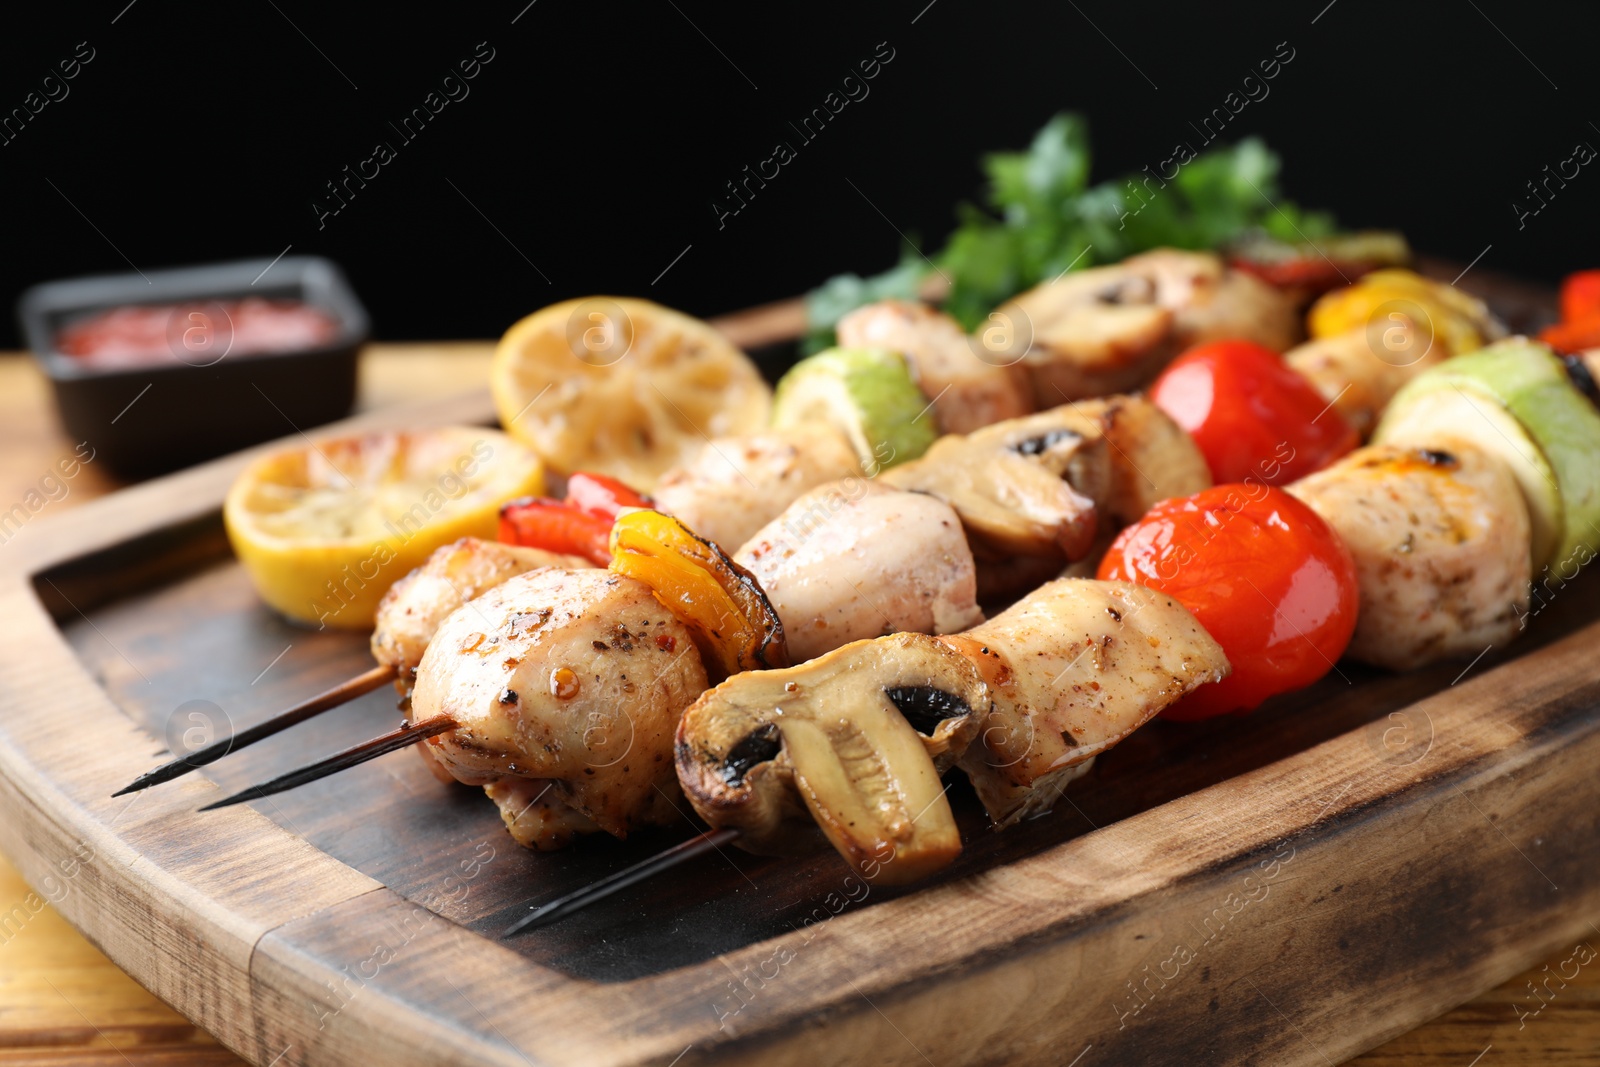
x: 1439, y: 312
x: 733, y: 623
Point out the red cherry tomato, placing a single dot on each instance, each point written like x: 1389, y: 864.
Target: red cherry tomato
x: 599, y: 495
x: 1255, y: 419
x: 1580, y: 296
x: 1262, y: 572
x: 556, y: 526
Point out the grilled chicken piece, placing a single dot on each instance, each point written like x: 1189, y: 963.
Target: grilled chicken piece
x: 1073, y: 668
x: 736, y: 485
x: 1111, y: 329
x: 414, y: 606
x: 857, y: 559
x: 536, y: 815
x: 1441, y: 542
x: 1360, y: 372
x: 969, y: 385
x: 573, y: 676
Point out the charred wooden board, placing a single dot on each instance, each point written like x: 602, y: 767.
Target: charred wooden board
x: 1289, y: 888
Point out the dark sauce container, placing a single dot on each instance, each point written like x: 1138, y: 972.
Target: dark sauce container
x: 202, y: 399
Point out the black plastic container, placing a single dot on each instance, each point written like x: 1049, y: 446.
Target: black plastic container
x: 148, y: 419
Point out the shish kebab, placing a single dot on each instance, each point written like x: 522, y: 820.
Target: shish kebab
x: 1089, y: 334
x: 763, y: 736
x: 1436, y: 523
x: 910, y: 570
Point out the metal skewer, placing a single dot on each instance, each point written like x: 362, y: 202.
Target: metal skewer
x: 577, y: 900
x: 340, y: 694
x: 403, y: 737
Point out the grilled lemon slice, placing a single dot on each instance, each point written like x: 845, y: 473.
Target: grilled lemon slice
x: 621, y: 386
x: 323, y: 531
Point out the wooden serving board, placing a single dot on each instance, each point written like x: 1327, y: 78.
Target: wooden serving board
x: 1292, y: 887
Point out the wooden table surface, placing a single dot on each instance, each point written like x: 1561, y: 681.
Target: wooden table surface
x: 63, y: 1003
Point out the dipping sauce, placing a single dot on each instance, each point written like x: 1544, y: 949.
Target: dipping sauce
x: 198, y: 333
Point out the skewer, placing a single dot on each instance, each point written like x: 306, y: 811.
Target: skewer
x: 579, y: 899
x: 404, y: 736
x: 342, y: 693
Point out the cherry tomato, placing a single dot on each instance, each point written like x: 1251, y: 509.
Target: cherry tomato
x: 1262, y: 572
x: 1255, y: 419
x: 556, y: 526
x: 1580, y: 295
x: 599, y: 495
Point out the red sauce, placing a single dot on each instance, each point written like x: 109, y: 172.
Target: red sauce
x: 197, y: 333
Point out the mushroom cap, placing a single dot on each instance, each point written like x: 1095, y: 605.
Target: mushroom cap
x: 1021, y: 487
x: 851, y: 743
x: 1111, y: 329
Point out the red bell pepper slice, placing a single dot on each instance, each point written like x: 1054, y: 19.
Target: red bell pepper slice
x: 556, y: 526
x: 597, y: 494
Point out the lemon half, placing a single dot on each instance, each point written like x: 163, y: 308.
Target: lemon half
x: 323, y: 531
x: 624, y: 387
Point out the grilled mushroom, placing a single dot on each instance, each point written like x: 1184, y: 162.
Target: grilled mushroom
x: 852, y: 743
x: 1021, y: 487
x: 1110, y: 329
x: 1073, y: 669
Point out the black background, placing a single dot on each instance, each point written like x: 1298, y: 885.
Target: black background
x: 598, y: 136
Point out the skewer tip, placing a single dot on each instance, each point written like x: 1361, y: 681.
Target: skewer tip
x: 579, y: 899
x: 345, y: 691
x: 532, y: 921
x: 226, y: 802
x: 407, y: 734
